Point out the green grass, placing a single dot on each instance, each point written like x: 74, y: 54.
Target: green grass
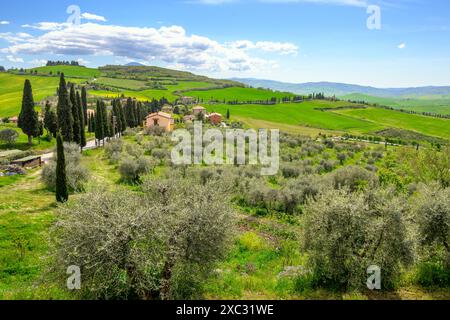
x: 189, y: 85
x: 422, y: 104
x: 69, y: 71
x: 140, y: 95
x: 11, y: 91
x: 122, y: 83
x: 236, y: 93
x: 422, y: 124
x: 22, y: 142
x: 299, y: 114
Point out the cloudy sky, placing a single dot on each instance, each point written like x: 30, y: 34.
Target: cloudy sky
x: 287, y: 40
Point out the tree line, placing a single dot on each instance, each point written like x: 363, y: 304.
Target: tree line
x: 62, y: 63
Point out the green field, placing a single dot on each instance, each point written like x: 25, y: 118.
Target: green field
x: 356, y: 121
x: 422, y: 104
x: 121, y: 83
x: 236, y: 93
x: 11, y: 90
x: 145, y: 95
x: 299, y: 114
x: 69, y: 71
x: 422, y: 124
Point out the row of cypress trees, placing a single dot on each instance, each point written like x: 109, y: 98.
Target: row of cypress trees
x: 72, y: 113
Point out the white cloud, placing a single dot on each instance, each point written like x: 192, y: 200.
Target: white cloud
x: 15, y: 37
x: 4, y: 22
x: 170, y: 45
x: 14, y: 59
x: 284, y: 48
x: 47, y: 26
x: 402, y: 46
x: 91, y: 16
x: 38, y: 62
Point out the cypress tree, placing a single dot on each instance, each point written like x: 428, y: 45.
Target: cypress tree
x: 64, y: 111
x: 28, y: 118
x: 84, y: 103
x: 130, y: 114
x: 116, y: 112
x: 105, y: 120
x: 123, y: 121
x: 99, y: 128
x: 62, y: 193
x: 228, y: 114
x: 82, y: 125
x: 50, y: 120
x: 76, y: 116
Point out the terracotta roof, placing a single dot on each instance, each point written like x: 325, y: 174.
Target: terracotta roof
x: 159, y: 114
x: 215, y: 114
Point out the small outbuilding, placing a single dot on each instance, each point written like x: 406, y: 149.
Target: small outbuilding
x: 28, y: 162
x: 160, y: 119
x: 215, y: 118
x: 14, y: 120
x: 198, y: 110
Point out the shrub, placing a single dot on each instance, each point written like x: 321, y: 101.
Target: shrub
x: 158, y: 245
x: 341, y: 157
x: 131, y: 169
x: 160, y: 154
x: 9, y: 136
x: 290, y: 171
x: 355, y: 178
x: 155, y: 131
x: 114, y: 147
x: 134, y: 150
x: 327, y: 165
x: 77, y: 175
x: 345, y: 233
x: 433, y: 214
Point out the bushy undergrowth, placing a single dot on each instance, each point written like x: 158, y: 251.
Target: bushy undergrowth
x: 77, y: 174
x: 161, y: 244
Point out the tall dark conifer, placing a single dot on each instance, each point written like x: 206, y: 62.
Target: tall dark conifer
x: 28, y: 118
x: 62, y: 193
x: 99, y: 128
x: 123, y: 120
x: 64, y: 111
x: 75, y: 115
x: 83, y: 141
x: 84, y: 104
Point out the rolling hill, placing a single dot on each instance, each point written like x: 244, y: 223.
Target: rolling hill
x: 309, y: 117
x: 422, y: 99
x: 341, y: 89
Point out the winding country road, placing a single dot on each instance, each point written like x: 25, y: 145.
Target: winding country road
x: 48, y: 156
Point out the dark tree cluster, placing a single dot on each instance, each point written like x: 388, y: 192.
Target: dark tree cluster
x: 71, y: 110
x: 62, y: 63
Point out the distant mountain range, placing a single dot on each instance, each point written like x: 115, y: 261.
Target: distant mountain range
x: 342, y: 89
x: 135, y: 64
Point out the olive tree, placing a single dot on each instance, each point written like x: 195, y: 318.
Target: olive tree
x: 77, y: 174
x: 158, y: 244
x: 9, y: 136
x: 433, y: 216
x: 345, y: 233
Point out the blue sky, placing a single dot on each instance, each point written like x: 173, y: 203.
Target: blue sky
x: 286, y: 40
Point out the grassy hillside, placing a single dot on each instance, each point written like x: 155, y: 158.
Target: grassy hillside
x: 426, y: 125
x: 240, y: 94
x: 69, y: 71
x: 140, y: 95
x: 357, y: 121
x: 11, y: 90
x: 299, y: 114
x: 422, y: 104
